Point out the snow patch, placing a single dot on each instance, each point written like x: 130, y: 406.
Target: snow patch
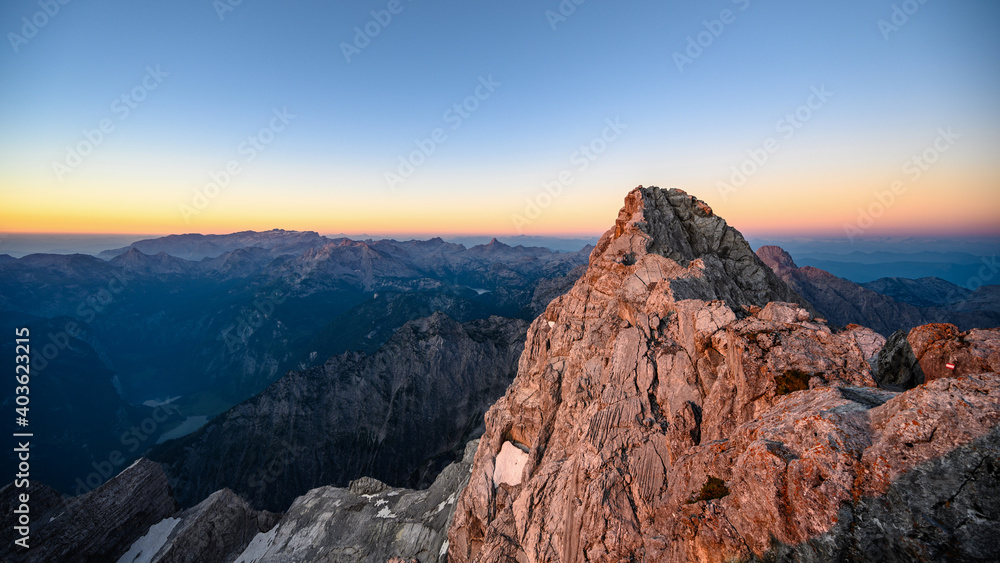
x: 445, y: 502
x: 258, y: 546
x: 144, y: 548
x: 552, y: 324
x: 509, y: 465
x: 444, y: 549
x: 385, y: 513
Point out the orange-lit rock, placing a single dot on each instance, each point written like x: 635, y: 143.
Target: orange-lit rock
x: 679, y: 356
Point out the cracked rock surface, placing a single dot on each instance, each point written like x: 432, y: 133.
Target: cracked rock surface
x: 937, y: 350
x: 679, y: 357
x: 368, y: 522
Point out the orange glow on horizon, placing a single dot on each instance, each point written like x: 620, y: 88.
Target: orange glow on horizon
x: 779, y: 204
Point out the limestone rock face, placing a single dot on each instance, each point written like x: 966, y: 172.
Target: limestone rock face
x: 217, y: 529
x: 100, y: 525
x: 369, y: 522
x: 936, y: 346
x: 705, y: 258
x: 133, y: 519
x: 681, y: 403
x: 935, y: 351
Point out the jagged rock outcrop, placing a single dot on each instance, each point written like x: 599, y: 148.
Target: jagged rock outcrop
x: 100, y: 525
x: 134, y: 519
x: 368, y: 522
x: 681, y: 403
x: 216, y: 530
x: 399, y: 415
x: 897, y: 367
x: 934, y: 351
x: 705, y: 258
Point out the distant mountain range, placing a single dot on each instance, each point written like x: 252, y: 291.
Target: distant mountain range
x: 208, y: 332
x: 967, y: 262
x: 888, y: 304
x: 22, y: 244
x: 198, y: 247
x: 678, y: 394
x: 206, y: 321
x: 899, y: 246
x: 964, y: 274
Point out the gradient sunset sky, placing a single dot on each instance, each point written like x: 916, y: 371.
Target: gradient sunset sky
x: 694, y: 88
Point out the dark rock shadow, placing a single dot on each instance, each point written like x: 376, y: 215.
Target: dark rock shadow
x: 947, y: 509
x: 897, y: 368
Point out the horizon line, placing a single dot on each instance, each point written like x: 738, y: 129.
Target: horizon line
x: 560, y: 235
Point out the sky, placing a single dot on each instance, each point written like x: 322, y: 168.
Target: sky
x: 848, y: 119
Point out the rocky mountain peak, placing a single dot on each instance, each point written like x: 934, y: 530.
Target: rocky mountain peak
x: 494, y: 247
x: 666, y: 222
x: 670, y: 235
x: 137, y: 261
x: 775, y: 257
x: 680, y: 403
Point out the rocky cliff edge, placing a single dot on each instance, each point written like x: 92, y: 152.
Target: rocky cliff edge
x: 681, y: 403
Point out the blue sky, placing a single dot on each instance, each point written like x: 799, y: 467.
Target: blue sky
x: 557, y: 83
